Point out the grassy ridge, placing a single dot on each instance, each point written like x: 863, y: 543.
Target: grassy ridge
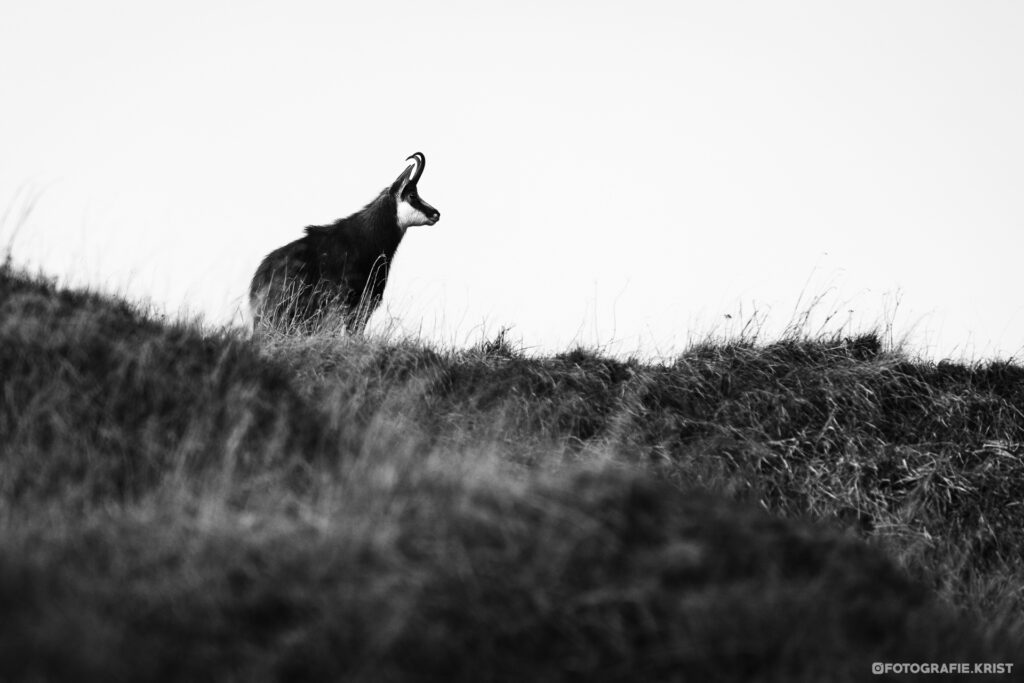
x: 187, y: 505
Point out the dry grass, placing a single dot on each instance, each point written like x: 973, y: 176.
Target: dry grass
x: 180, y: 504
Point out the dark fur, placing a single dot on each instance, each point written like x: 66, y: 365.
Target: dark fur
x: 340, y: 268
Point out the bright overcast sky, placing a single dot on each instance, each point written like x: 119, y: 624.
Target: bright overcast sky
x: 624, y: 174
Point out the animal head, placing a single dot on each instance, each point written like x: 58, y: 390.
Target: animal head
x: 411, y: 209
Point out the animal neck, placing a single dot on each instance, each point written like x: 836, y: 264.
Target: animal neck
x: 376, y: 227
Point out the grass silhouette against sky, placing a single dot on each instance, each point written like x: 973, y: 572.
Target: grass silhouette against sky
x: 608, y: 174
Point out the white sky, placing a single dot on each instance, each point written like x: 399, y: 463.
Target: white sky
x: 616, y: 173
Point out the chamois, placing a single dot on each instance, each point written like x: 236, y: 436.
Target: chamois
x: 339, y: 269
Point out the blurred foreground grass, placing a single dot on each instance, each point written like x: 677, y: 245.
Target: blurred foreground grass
x: 181, y: 504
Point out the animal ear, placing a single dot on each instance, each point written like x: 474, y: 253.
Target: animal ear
x: 401, y: 181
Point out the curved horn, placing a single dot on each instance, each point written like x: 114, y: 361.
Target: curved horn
x: 421, y: 162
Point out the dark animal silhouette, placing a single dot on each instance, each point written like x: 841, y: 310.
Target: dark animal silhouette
x: 339, y: 270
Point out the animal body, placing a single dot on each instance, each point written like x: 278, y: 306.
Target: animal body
x: 341, y: 269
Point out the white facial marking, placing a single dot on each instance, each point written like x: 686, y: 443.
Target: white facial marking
x: 408, y: 215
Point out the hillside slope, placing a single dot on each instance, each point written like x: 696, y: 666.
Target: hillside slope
x: 180, y: 504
